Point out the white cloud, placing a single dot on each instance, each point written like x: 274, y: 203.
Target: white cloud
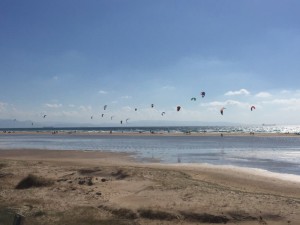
x: 237, y: 103
x: 53, y: 105
x: 168, y: 87
x: 227, y: 103
x: 71, y: 105
x: 126, y: 97
x: 285, y: 92
x: 85, y: 108
x: 70, y: 113
x: 2, y: 106
x: 291, y: 101
x: 102, y: 92
x: 288, y: 105
x: 214, y: 104
x: 263, y: 95
x: 240, y: 92
x: 127, y: 108
x: 55, y: 78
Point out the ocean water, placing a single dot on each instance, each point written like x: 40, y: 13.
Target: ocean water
x: 266, y: 128
x: 279, y: 154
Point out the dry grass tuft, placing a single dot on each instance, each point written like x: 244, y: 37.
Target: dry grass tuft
x: 120, y: 175
x: 90, y: 216
x: 156, y: 214
x: 33, y: 181
x: 87, y: 171
x: 2, y: 165
x: 120, y: 213
x: 204, y: 217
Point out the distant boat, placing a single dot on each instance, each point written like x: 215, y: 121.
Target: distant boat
x: 269, y: 124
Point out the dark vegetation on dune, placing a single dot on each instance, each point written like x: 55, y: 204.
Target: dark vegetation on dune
x: 33, y: 181
x: 2, y: 165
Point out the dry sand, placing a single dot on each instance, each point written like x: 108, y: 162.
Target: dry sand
x: 89, y: 187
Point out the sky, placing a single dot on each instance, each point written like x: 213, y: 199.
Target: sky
x: 67, y: 59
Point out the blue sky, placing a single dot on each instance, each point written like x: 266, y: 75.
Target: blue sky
x: 68, y: 59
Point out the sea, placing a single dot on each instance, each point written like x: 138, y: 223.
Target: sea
x: 275, y: 153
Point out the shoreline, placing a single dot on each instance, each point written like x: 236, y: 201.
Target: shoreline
x: 187, y: 193
x: 146, y: 133
x: 126, y: 158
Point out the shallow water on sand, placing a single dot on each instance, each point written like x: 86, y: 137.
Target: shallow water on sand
x: 277, y: 154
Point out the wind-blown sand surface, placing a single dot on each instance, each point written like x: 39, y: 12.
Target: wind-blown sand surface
x: 92, y: 187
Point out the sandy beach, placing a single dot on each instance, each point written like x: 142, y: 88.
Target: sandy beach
x: 92, y: 187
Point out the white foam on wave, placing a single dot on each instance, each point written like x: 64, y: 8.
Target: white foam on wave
x: 252, y: 171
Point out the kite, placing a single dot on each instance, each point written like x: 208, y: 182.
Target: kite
x: 222, y: 110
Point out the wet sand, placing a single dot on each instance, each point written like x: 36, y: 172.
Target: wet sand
x: 92, y: 187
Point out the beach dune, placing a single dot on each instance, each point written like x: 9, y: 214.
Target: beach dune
x: 93, y: 187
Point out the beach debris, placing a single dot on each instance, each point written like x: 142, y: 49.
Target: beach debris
x: 222, y: 110
x: 81, y: 182
x: 193, y: 99
x: 152, y: 105
x: 203, y: 94
x: 252, y: 107
x: 19, y: 219
x: 86, y: 180
x: 91, y: 117
x: 44, y: 116
x: 178, y: 108
x: 127, y: 120
x: 105, y: 107
x: 135, y: 109
x: 120, y: 174
x: 102, y: 115
x: 61, y: 179
x: 163, y: 113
